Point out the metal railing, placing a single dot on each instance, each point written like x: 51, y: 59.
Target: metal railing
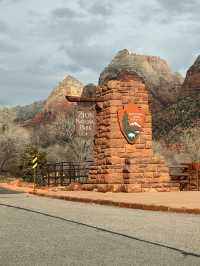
x: 63, y: 173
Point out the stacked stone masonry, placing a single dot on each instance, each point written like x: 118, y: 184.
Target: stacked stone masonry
x: 120, y: 166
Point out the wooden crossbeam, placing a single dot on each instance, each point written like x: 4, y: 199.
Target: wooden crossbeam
x: 84, y: 99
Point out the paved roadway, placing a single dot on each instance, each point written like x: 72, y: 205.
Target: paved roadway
x: 40, y: 231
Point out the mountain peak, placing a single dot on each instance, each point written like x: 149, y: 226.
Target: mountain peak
x: 122, y: 53
x: 68, y: 86
x: 69, y: 77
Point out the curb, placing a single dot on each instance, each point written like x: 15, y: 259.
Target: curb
x: 138, y: 206
x: 130, y: 205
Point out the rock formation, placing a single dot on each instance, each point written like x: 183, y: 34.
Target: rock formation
x: 191, y: 85
x: 88, y: 91
x: 164, y: 86
x: 57, y: 102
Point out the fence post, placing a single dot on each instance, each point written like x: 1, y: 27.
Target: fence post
x: 55, y: 181
x: 61, y: 173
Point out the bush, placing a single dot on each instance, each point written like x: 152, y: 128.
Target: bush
x: 13, y: 141
x: 172, y: 157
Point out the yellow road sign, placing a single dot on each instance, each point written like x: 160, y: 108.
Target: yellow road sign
x: 34, y: 165
x: 34, y: 162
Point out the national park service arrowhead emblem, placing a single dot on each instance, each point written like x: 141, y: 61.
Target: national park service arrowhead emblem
x: 131, y: 121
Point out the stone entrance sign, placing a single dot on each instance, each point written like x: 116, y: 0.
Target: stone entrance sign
x: 85, y: 123
x: 124, y: 162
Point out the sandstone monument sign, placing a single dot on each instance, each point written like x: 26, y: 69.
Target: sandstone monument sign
x: 123, y: 156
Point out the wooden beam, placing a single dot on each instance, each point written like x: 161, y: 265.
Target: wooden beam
x: 84, y: 99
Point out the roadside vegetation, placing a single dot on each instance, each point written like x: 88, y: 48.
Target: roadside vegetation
x: 57, y: 141
x: 187, y: 148
x: 53, y: 142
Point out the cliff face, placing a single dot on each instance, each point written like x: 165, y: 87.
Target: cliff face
x: 57, y: 102
x: 164, y: 86
x: 183, y: 114
x: 191, y: 85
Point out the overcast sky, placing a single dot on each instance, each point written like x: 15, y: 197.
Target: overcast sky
x: 41, y: 41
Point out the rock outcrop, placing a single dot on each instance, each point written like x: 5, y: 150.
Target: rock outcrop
x: 163, y: 85
x: 57, y: 102
x: 88, y: 91
x: 191, y: 85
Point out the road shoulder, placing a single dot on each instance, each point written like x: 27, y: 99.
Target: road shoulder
x: 179, y: 202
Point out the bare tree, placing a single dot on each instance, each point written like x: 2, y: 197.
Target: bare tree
x: 81, y: 149
x: 64, y: 141
x: 60, y: 141
x: 13, y: 140
x: 62, y: 130
x: 7, y: 117
x: 171, y: 156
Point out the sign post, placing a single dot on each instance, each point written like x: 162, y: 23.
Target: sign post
x: 34, y: 166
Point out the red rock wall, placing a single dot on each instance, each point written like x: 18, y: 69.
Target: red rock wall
x: 120, y: 166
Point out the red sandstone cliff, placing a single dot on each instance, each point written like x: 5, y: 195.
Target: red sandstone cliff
x: 57, y: 102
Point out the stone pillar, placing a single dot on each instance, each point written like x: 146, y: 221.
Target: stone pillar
x: 118, y: 165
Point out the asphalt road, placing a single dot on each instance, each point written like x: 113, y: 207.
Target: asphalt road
x: 41, y: 231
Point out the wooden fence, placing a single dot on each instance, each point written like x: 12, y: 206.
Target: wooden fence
x: 187, y: 174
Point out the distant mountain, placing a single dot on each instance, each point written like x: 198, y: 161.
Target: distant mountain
x: 164, y: 86
x: 57, y: 102
x: 44, y: 112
